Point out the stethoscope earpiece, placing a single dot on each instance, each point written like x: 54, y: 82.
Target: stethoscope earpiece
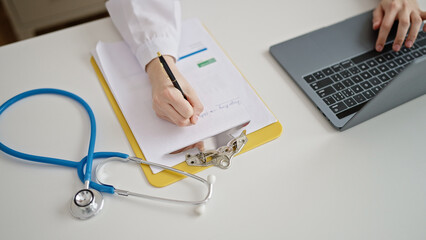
x: 200, y: 209
x: 86, y: 203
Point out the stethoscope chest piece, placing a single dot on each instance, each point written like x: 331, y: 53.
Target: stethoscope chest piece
x: 86, y: 203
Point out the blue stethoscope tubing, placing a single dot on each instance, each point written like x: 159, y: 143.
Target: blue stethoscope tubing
x: 89, y: 201
x: 85, y: 176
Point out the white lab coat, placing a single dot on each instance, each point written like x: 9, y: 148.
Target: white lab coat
x: 148, y: 26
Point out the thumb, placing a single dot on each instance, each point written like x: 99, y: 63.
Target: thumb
x: 377, y: 17
x: 423, y: 15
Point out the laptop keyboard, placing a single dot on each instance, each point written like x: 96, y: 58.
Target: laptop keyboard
x: 347, y: 86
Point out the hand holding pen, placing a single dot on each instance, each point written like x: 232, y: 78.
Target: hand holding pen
x: 173, y: 100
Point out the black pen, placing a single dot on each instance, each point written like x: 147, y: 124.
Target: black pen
x: 170, y: 74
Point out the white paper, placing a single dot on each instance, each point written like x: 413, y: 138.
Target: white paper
x: 227, y: 98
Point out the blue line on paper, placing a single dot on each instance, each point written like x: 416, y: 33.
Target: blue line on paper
x: 190, y: 54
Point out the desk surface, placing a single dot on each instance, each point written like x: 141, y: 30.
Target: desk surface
x: 311, y: 183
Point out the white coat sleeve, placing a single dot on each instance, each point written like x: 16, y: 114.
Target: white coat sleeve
x: 148, y: 26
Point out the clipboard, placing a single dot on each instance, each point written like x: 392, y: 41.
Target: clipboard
x: 164, y: 178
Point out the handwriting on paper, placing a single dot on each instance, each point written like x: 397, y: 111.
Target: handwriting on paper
x: 220, y: 107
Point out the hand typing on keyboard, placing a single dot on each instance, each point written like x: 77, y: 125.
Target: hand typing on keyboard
x: 406, y: 12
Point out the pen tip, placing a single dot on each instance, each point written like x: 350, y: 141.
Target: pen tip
x: 159, y: 54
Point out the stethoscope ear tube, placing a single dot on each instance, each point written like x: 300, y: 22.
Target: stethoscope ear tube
x: 209, y: 182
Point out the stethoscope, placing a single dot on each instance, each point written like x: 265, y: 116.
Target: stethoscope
x: 89, y: 201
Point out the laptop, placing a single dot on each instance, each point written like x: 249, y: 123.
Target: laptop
x: 349, y: 82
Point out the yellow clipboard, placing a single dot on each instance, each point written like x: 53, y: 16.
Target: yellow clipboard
x: 165, y: 177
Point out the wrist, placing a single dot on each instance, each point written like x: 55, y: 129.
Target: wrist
x: 156, y: 72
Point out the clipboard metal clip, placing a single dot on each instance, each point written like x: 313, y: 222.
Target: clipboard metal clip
x: 221, y: 157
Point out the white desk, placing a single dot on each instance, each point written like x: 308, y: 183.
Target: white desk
x: 312, y: 183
